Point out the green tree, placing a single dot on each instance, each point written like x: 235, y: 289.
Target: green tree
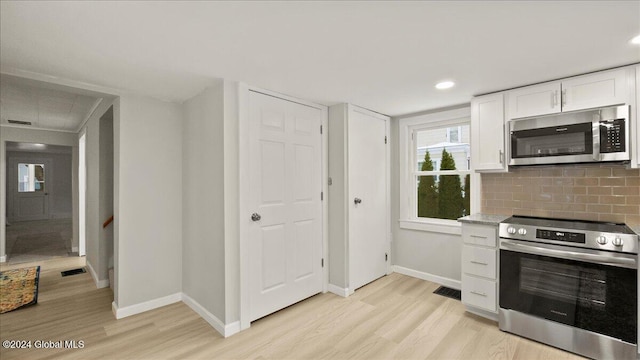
x: 467, y: 195
x: 450, y: 205
x: 427, y: 191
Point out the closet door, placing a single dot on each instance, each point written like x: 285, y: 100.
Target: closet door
x: 285, y: 245
x: 367, y: 157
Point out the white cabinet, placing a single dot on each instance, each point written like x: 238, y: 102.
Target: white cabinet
x: 480, y: 269
x: 487, y: 133
x: 635, y: 122
x: 359, y: 225
x: 599, y: 89
x: 535, y: 100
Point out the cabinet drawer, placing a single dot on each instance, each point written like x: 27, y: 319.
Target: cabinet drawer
x: 479, y: 293
x: 479, y: 261
x: 484, y: 235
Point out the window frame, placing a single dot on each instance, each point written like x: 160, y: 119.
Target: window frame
x: 408, y: 218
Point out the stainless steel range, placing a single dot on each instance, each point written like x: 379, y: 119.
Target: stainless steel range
x: 570, y: 284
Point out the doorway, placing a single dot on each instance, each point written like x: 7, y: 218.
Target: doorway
x: 39, y: 202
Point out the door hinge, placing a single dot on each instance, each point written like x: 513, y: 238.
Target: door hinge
x: 385, y: 139
x: 321, y: 195
x: 322, y: 262
x: 386, y: 257
x: 320, y: 129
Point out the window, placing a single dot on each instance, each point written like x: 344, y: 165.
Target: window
x: 30, y: 177
x: 443, y: 174
x: 437, y: 185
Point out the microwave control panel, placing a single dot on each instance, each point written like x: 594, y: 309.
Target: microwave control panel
x: 612, y: 136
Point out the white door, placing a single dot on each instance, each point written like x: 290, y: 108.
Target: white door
x: 368, y: 245
x: 285, y: 241
x: 29, y: 183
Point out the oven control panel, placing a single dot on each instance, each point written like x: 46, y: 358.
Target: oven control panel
x: 618, y: 242
x: 561, y: 236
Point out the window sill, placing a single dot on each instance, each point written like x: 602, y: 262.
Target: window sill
x: 437, y: 226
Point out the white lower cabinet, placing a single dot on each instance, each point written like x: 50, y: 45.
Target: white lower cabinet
x: 480, y: 269
x: 479, y: 293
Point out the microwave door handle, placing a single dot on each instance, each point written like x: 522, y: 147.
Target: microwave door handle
x: 595, y: 129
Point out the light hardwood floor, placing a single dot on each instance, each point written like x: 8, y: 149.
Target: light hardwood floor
x: 396, y: 317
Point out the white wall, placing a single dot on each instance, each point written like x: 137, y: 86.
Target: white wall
x: 433, y: 254
x: 148, y: 200
x: 211, y: 201
x: 203, y: 232
x: 95, y: 259
x: 30, y: 136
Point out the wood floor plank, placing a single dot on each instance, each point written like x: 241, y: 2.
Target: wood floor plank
x: 395, y: 317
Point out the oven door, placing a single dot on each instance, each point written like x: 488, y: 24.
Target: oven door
x: 588, y: 289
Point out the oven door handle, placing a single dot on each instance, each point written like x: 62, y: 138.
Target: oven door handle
x: 603, y: 258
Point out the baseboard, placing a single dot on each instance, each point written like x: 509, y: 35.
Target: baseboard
x: 454, y: 284
x: 99, y: 283
x: 145, y: 306
x: 3, y: 258
x: 224, y: 330
x: 344, y: 292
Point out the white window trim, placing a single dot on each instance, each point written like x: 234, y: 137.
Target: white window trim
x: 407, y: 126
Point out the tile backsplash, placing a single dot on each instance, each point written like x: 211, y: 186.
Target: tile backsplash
x: 583, y: 191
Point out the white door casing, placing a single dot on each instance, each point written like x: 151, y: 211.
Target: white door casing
x: 368, y: 200
x: 285, y: 245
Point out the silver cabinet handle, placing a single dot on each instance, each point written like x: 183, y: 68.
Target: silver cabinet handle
x: 564, y: 97
x: 357, y: 201
x: 478, y: 262
x: 554, y: 98
x: 501, y: 153
x: 256, y: 217
x: 478, y: 293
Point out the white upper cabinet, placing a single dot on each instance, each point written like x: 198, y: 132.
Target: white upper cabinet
x: 577, y: 93
x: 487, y: 133
x: 535, y: 100
x: 636, y: 123
x: 594, y: 90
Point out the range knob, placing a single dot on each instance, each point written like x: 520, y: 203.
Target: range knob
x: 511, y: 230
x: 617, y: 241
x: 522, y: 231
x: 601, y: 240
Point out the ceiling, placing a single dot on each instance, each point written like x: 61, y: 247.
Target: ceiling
x: 385, y: 56
x: 45, y: 107
x: 37, y: 148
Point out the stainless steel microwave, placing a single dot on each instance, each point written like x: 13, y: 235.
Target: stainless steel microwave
x: 582, y: 136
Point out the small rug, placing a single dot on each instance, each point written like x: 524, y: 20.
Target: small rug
x: 448, y: 292
x: 18, y: 288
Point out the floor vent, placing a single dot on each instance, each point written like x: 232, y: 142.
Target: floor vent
x: 73, y: 272
x: 448, y: 292
x: 18, y: 122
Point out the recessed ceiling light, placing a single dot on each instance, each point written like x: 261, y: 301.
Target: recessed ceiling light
x: 635, y: 40
x: 445, y: 85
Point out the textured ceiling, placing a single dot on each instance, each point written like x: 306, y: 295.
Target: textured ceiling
x: 45, y: 108
x: 383, y: 55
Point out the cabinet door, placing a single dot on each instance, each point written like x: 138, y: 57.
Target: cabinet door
x: 487, y: 133
x: 636, y: 140
x: 534, y: 100
x: 594, y: 90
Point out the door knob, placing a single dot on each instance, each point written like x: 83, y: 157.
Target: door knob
x: 357, y: 201
x: 255, y: 217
